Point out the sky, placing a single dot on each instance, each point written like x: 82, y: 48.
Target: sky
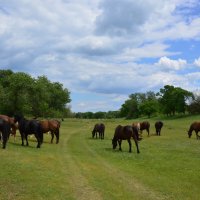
x: 103, y: 50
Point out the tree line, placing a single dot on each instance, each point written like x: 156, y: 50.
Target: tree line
x: 38, y: 97
x: 169, y: 100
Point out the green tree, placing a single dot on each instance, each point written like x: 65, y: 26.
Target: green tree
x: 139, y: 104
x: 100, y: 115
x: 19, y: 92
x: 4, y: 74
x: 112, y: 114
x: 194, y: 106
x: 17, y: 99
x: 40, y: 97
x: 58, y: 96
x: 173, y: 99
x: 149, y: 105
x: 130, y: 108
x: 49, y: 99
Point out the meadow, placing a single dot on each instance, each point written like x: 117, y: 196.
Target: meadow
x: 80, y: 167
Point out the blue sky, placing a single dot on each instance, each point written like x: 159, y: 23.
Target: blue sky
x: 103, y: 50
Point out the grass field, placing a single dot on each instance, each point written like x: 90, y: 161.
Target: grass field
x: 80, y: 167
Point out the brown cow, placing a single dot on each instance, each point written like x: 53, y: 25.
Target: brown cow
x: 51, y: 126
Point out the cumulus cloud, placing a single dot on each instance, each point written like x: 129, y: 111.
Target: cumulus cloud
x: 152, y: 50
x: 167, y: 64
x: 121, y: 18
x: 106, y: 47
x: 197, y: 62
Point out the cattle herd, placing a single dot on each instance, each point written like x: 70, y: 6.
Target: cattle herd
x: 26, y: 127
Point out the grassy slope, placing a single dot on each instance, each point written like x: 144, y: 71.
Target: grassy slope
x: 83, y: 168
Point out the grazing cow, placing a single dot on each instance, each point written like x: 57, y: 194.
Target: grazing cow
x: 125, y: 133
x: 99, y: 128
x: 195, y: 126
x: 145, y: 126
x: 12, y: 124
x: 5, y: 130
x: 28, y: 127
x: 52, y: 126
x: 158, y: 127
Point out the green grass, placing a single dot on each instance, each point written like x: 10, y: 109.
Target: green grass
x: 80, y: 167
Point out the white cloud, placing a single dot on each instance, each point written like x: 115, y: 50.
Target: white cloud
x: 94, y: 46
x: 167, y: 64
x: 197, y: 62
x: 118, y: 19
x: 153, y: 50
